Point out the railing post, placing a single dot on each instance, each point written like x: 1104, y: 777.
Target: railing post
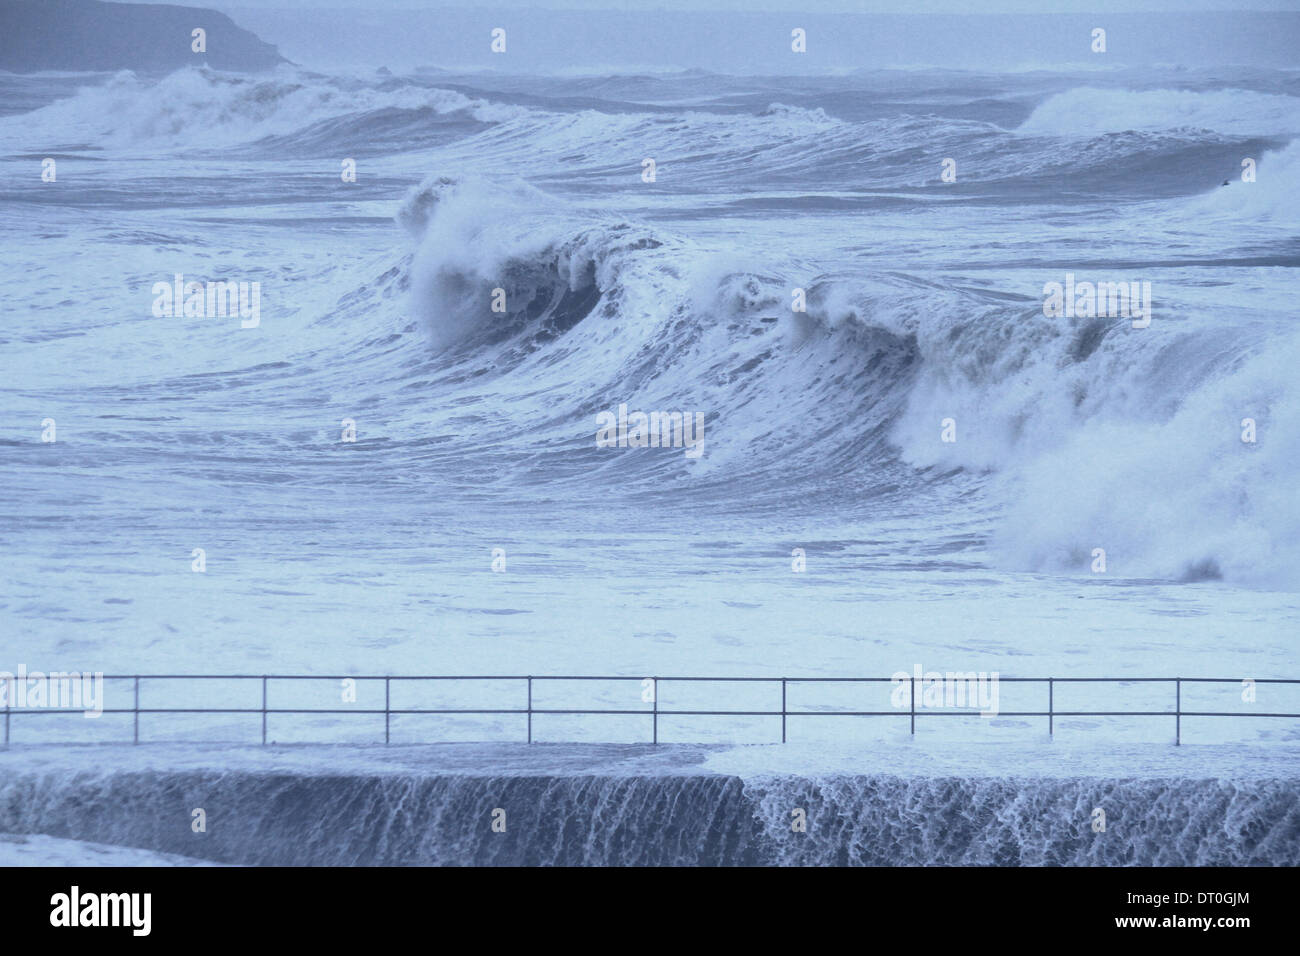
x: 782, y: 710
x: 1050, y: 717
x: 913, y: 685
x: 387, y: 698
x: 655, y: 701
x: 1178, y: 711
x: 263, y: 710
x: 135, y: 736
x: 530, y: 709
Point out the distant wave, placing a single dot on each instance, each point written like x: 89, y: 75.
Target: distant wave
x: 1092, y: 111
x: 797, y: 148
x: 1273, y: 198
x: 202, y: 108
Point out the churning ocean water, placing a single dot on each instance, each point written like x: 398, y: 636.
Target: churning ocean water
x: 389, y: 463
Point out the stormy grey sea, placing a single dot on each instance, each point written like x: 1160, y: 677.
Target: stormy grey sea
x: 391, y: 460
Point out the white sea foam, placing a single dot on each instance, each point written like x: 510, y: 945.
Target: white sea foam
x: 1096, y: 110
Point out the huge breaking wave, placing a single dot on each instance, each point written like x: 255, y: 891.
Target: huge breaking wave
x: 1075, y: 433
x: 1073, y: 419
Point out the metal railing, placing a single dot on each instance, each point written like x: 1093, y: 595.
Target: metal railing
x: 654, y: 712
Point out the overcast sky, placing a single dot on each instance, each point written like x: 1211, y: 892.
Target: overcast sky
x: 753, y: 36
x: 826, y: 6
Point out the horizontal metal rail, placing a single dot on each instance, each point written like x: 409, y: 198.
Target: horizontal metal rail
x: 653, y: 710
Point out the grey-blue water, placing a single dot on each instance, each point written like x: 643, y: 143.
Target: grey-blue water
x: 395, y: 460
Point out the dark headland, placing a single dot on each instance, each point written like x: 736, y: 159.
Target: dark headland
x: 73, y: 35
